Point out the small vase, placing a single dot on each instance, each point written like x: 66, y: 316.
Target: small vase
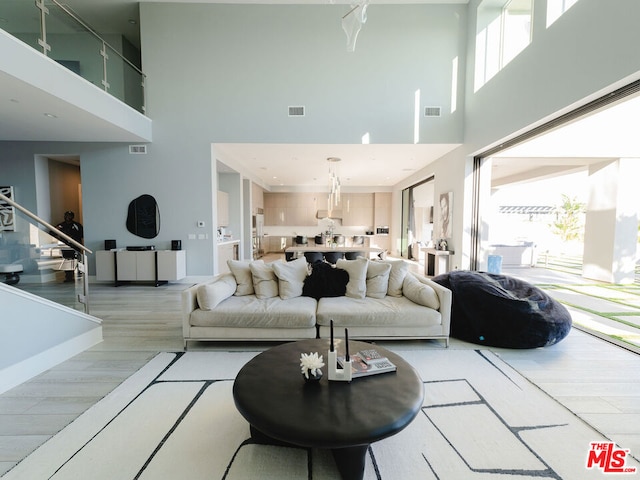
x: 311, y: 377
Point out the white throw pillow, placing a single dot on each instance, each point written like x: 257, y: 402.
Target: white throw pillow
x: 242, y: 274
x: 419, y: 292
x: 377, y: 279
x: 291, y: 277
x: 265, y: 282
x: 211, y: 294
x: 357, y: 270
x: 399, y: 269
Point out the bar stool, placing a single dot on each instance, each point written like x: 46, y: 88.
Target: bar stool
x: 354, y: 255
x: 313, y: 257
x: 333, y: 257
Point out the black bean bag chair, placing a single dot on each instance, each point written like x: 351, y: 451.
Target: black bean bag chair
x: 503, y: 311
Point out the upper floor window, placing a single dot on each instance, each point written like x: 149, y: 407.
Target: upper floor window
x: 557, y: 8
x: 503, y: 30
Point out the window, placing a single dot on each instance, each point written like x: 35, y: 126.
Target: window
x: 503, y: 30
x: 557, y: 8
x: 516, y: 28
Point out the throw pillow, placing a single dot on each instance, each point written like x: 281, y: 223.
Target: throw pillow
x: 399, y: 269
x: 357, y: 270
x: 378, y: 279
x: 291, y: 277
x: 265, y: 282
x: 419, y: 292
x: 211, y: 294
x: 242, y: 274
x: 325, y: 281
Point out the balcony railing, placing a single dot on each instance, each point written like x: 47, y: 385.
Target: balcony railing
x: 57, y: 32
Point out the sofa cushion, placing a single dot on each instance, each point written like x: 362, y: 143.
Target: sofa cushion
x: 420, y: 293
x: 291, y: 277
x: 242, y: 273
x: 265, y: 282
x: 357, y: 270
x: 251, y: 312
x: 325, y: 281
x: 377, y: 279
x: 374, y: 312
x: 399, y: 269
x: 209, y: 295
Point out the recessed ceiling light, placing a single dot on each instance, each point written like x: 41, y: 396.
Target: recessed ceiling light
x: 50, y: 115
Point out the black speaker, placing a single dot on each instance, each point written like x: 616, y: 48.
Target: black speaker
x: 109, y: 244
x: 176, y: 244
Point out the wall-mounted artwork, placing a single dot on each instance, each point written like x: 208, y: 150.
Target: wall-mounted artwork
x: 446, y: 214
x: 7, y: 212
x: 143, y: 217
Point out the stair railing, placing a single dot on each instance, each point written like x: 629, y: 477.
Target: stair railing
x: 82, y: 298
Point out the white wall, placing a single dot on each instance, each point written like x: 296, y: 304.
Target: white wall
x: 37, y: 334
x: 226, y: 73
x: 588, y: 51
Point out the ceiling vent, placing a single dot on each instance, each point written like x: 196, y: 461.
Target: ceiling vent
x: 296, y: 111
x: 432, y: 111
x: 138, y: 149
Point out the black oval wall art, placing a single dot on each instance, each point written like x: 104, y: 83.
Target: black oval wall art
x: 143, y: 217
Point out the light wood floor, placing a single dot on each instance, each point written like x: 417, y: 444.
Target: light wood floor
x: 599, y: 382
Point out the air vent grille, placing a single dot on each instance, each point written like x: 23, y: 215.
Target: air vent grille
x: 432, y: 111
x: 296, y: 111
x: 138, y: 149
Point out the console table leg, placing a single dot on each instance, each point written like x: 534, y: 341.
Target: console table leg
x: 350, y: 461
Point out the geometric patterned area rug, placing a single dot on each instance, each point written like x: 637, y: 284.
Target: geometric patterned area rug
x: 175, y: 419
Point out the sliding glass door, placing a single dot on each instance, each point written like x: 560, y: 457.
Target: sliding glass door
x: 417, y: 218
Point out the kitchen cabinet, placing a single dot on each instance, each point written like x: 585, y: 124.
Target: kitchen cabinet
x: 223, y: 209
x: 227, y: 251
x: 290, y: 209
x: 382, y: 209
x: 357, y: 209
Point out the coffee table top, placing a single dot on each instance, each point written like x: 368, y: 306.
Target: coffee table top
x: 271, y: 394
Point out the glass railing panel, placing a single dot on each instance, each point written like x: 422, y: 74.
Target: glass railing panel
x: 75, y: 45
x: 22, y: 20
x: 125, y: 81
x: 42, y: 264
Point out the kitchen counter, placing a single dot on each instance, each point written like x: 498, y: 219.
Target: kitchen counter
x: 227, y: 242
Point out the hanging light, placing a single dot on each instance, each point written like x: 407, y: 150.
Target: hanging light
x: 352, y: 22
x: 334, y: 183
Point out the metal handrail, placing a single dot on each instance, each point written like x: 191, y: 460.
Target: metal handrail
x: 68, y: 240
x: 95, y: 34
x: 84, y: 297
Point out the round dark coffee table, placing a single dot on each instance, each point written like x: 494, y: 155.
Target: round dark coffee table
x: 273, y: 397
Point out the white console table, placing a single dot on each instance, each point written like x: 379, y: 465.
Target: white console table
x: 436, y: 262
x: 158, y: 266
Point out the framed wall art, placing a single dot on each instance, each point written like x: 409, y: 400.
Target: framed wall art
x: 7, y: 212
x: 446, y: 214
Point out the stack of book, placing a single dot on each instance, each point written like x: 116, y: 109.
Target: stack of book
x: 368, y: 362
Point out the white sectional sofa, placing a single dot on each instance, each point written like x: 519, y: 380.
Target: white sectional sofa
x: 260, y: 301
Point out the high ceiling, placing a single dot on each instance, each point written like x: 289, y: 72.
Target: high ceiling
x: 606, y: 134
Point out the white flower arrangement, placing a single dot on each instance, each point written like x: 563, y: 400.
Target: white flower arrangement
x: 311, y: 362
